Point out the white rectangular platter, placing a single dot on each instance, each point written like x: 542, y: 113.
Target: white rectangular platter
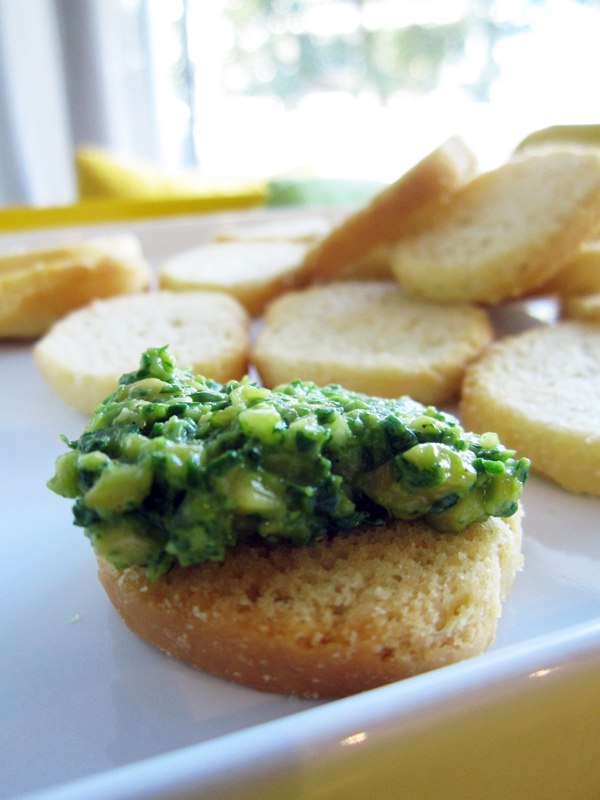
x: 87, y: 710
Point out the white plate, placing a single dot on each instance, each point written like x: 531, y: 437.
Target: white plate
x: 84, y: 700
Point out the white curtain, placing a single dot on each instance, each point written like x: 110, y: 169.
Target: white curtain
x: 35, y: 144
x: 71, y: 72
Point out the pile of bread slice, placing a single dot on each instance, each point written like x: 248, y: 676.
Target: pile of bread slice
x: 389, y: 299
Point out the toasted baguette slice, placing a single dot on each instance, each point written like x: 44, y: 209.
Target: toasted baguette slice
x: 298, y: 227
x: 505, y: 233
x: 539, y: 391
x: 393, y: 212
x: 252, y: 272
x: 38, y: 287
x: 370, y: 338
x: 582, y: 273
x: 84, y: 355
x: 580, y: 276
x: 358, y: 610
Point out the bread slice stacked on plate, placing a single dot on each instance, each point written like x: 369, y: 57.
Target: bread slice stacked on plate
x: 85, y: 354
x: 506, y: 233
x: 254, y: 272
x: 526, y: 229
x: 369, y: 337
x: 40, y: 286
x: 362, y: 241
x: 540, y: 391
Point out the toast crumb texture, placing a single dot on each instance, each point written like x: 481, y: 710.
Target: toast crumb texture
x: 539, y: 391
x: 391, y: 214
x: 358, y: 610
x: 84, y: 355
x: 369, y: 338
x: 507, y: 232
x: 38, y: 287
x: 254, y: 272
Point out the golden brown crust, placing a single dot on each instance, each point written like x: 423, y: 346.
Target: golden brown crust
x: 392, y: 213
x: 356, y: 611
x: 583, y: 308
x: 39, y: 287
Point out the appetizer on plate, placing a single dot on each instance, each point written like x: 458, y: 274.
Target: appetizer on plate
x: 306, y: 540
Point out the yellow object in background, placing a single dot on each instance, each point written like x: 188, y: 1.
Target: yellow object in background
x: 102, y: 175
x: 112, y: 190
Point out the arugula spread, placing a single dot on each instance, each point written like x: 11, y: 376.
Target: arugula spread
x: 174, y: 468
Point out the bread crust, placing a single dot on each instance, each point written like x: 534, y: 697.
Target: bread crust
x: 584, y: 308
x: 358, y: 610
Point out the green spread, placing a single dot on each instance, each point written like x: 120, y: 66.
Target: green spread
x: 174, y: 468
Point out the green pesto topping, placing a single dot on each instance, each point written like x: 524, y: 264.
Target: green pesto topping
x: 174, y: 468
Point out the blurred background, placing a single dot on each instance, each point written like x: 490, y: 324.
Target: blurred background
x: 258, y: 88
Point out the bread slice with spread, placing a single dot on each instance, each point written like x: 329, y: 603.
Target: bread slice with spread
x: 356, y: 611
x: 306, y: 540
